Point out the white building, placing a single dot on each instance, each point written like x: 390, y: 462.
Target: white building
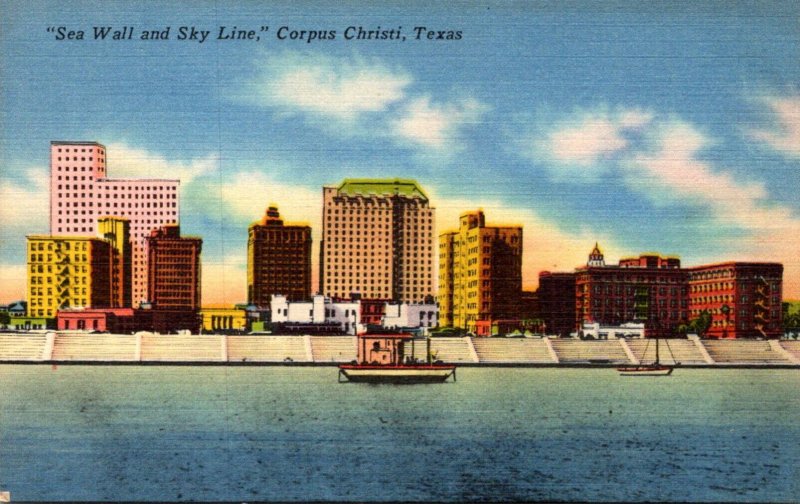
x: 320, y: 310
x: 627, y: 330
x: 396, y: 316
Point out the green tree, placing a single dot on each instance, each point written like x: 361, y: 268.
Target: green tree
x: 791, y: 323
x: 701, y: 324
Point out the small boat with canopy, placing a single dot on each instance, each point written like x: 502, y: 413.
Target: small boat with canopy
x: 383, y: 358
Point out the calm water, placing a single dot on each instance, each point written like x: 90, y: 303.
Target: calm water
x: 282, y: 433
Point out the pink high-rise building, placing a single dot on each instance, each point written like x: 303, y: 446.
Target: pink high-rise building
x: 81, y: 193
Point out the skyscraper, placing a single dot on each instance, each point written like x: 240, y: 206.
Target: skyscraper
x: 278, y: 260
x: 81, y: 193
x: 173, y: 269
x: 480, y: 273
x: 377, y: 240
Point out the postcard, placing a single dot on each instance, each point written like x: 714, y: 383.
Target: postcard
x: 545, y: 195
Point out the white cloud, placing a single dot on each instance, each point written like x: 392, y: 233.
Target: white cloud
x: 436, y: 125
x: 363, y: 98
x: 784, y: 136
x: 673, y: 174
x: 338, y: 88
x: 662, y: 159
x: 579, y: 147
x: 246, y: 195
x: 584, y: 144
x: 634, y: 118
x: 126, y: 161
x: 25, y: 203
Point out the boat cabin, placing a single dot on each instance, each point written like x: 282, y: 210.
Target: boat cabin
x: 382, y: 359
x: 385, y: 349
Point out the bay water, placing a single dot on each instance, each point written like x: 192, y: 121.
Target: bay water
x: 291, y: 433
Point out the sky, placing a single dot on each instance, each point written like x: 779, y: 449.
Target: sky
x: 670, y: 127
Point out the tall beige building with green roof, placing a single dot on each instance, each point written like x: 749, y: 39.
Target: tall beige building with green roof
x: 377, y: 240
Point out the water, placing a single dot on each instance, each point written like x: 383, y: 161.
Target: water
x: 293, y: 433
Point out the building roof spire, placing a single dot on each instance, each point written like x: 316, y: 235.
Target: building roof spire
x: 596, y: 258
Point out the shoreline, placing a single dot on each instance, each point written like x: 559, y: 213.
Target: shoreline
x: 54, y: 349
x: 543, y: 365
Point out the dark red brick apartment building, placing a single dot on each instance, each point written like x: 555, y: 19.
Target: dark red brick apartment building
x: 173, y: 269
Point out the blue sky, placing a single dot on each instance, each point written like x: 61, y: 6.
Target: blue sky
x: 670, y: 127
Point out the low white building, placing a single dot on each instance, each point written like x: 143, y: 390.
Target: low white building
x: 627, y: 330
x: 396, y: 316
x: 320, y: 310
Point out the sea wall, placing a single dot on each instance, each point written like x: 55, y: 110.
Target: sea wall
x: 83, y: 348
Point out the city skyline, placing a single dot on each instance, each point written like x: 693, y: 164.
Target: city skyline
x: 671, y: 128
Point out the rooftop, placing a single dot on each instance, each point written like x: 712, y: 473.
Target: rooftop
x: 366, y: 187
x: 67, y: 142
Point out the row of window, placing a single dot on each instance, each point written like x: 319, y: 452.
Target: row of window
x: 40, y: 301
x: 75, y: 230
x: 41, y: 257
x: 75, y: 168
x: 39, y: 268
x: 81, y: 245
x: 76, y: 178
x: 122, y: 195
x: 116, y: 205
x: 83, y: 149
x: 40, y: 291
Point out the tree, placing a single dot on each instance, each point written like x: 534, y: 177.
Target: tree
x: 701, y: 324
x: 791, y: 323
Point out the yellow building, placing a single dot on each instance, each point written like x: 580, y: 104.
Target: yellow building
x: 480, y: 273
x: 74, y: 271
x: 117, y: 231
x: 223, y: 319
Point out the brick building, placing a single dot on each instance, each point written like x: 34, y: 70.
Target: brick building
x: 744, y: 299
x: 557, y: 302
x: 173, y: 269
x: 649, y: 289
x: 278, y: 260
x: 113, y: 320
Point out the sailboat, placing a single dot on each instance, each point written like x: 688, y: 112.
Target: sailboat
x: 654, y: 368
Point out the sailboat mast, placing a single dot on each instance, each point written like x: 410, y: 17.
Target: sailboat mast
x: 657, y: 357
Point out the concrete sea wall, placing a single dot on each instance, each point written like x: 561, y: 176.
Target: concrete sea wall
x: 146, y: 348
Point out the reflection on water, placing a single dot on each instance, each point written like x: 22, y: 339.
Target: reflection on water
x: 294, y: 433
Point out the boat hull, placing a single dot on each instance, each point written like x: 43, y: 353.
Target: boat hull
x: 397, y: 374
x: 645, y: 371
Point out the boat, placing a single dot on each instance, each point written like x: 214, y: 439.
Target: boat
x: 382, y: 359
x: 655, y: 368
